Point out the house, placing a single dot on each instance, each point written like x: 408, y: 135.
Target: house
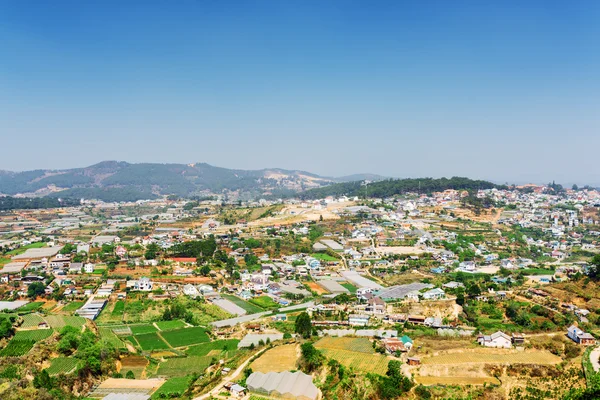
x: 434, y: 294
x: 375, y: 306
x: 518, y: 339
x: 408, y: 343
x: 453, y: 285
x: 580, y: 337
x: 190, y: 290
x: 75, y: 268
x: 88, y: 268
x: 143, y: 284
x: 413, y: 361
x: 237, y: 390
x: 392, y: 345
x: 358, y: 320
x: 279, y: 317
x: 498, y: 339
x: 121, y: 251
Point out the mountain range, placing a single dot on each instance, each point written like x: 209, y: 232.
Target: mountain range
x: 123, y: 181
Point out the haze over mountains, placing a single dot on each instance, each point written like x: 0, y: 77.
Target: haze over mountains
x: 117, y: 180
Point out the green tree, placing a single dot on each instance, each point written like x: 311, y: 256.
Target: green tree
x: 129, y: 375
x: 303, y: 325
x: 35, y: 289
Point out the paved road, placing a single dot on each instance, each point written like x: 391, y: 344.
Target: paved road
x: 594, y: 356
x: 228, y: 378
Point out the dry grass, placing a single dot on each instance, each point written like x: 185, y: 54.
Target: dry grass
x: 494, y: 357
x: 454, y: 380
x: 277, y: 359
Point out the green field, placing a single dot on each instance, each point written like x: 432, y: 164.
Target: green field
x: 249, y: 307
x: 150, y: 341
x: 108, y: 335
x: 117, y: 312
x: 31, y: 306
x: 62, y: 365
x: 33, y: 335
x: 141, y: 329
x: 16, y: 348
x: 324, y: 257
x: 205, y: 348
x: 60, y: 321
x: 31, y: 320
x: 169, y: 325
x: 351, y: 288
x: 73, y: 306
x: 22, y: 249
x: 172, y: 388
x: 184, y: 366
x: 186, y: 336
x: 264, y: 302
x: 536, y: 271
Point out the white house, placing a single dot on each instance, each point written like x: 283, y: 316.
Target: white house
x: 579, y: 336
x: 88, y: 268
x: 190, y: 290
x: 143, y: 284
x: 498, y: 339
x: 434, y: 294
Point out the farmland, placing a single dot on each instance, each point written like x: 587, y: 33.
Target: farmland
x: 60, y: 321
x: 108, y: 335
x: 62, y: 365
x: 494, y: 357
x: 33, y: 335
x: 249, y: 307
x: 150, y: 341
x: 277, y: 359
x: 143, y: 328
x: 31, y: 320
x: 169, y: 325
x: 206, y: 348
x: 73, y: 306
x: 351, y: 288
x: 185, y: 336
x: 184, y: 366
x: 355, y: 353
x: 30, y: 306
x: 16, y: 348
x: 264, y: 302
x: 455, y: 380
x: 172, y: 388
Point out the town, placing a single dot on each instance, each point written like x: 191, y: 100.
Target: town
x: 451, y: 294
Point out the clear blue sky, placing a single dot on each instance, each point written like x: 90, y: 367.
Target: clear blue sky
x: 505, y: 90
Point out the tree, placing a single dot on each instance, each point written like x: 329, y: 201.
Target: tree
x: 36, y: 289
x: 311, y: 357
x: 303, y: 325
x: 43, y: 380
x: 151, y: 251
x: 129, y: 375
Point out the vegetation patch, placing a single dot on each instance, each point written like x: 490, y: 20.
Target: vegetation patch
x: 31, y: 306
x: 277, y: 359
x: 150, y: 341
x: 169, y: 325
x: 141, y: 329
x: 62, y: 365
x: 205, y: 348
x: 184, y: 366
x: 264, y: 302
x: 173, y: 388
x: 249, y: 307
x: 186, y: 336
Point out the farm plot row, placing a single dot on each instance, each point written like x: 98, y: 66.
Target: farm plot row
x: 376, y: 363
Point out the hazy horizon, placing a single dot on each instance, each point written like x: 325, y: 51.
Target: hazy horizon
x: 502, y: 91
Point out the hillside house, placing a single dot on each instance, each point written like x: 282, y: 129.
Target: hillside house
x: 580, y: 337
x: 498, y: 340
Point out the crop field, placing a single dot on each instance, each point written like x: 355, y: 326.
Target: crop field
x: 361, y: 362
x: 108, y: 335
x: 481, y: 356
x: 184, y: 366
x: 121, y: 330
x: 186, y: 336
x: 60, y: 321
x: 264, y: 302
x: 172, y: 388
x: 351, y: 288
x: 169, y: 325
x: 277, y: 359
x: 249, y: 307
x: 455, y: 380
x: 31, y: 320
x: 73, y: 306
x: 33, y: 335
x: 355, y: 353
x: 205, y: 348
x: 62, y: 365
x: 324, y: 257
x: 30, y: 306
x: 144, y: 328
x: 16, y: 348
x: 360, y: 345
x: 150, y: 341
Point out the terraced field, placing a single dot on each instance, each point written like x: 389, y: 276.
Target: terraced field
x: 108, y: 335
x: 170, y: 325
x: 62, y: 365
x: 33, y: 335
x: 143, y: 328
x: 172, y: 388
x: 31, y: 321
x: 17, y: 348
x: 277, y: 359
x: 60, y: 321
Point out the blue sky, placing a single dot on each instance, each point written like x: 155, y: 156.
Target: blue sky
x: 506, y: 90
